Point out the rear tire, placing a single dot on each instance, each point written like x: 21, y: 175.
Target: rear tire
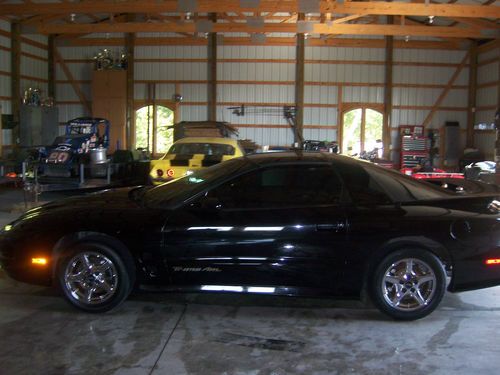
x: 408, y: 284
x: 94, y: 277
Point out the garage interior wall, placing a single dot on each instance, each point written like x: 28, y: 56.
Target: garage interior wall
x: 33, y: 69
x: 264, y: 76
x: 487, y: 99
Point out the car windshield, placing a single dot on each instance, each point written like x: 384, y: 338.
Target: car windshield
x: 201, y: 148
x: 181, y: 189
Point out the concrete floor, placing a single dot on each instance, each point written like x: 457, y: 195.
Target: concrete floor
x: 234, y: 334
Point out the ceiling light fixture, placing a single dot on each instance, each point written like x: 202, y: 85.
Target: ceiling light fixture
x: 72, y: 17
x: 407, y: 38
x: 431, y: 19
x: 188, y: 15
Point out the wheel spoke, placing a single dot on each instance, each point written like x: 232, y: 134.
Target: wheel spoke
x: 419, y: 298
x: 89, y: 293
x: 398, y: 297
x: 392, y: 279
x: 105, y: 286
x: 425, y: 279
x: 75, y: 277
x: 86, y: 261
x: 409, y: 266
x: 102, y: 268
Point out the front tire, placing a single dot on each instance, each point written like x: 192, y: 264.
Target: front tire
x: 408, y: 284
x: 94, y: 277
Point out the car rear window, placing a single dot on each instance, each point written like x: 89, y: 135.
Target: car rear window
x: 217, y: 149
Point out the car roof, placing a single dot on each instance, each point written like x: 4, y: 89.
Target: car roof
x: 219, y: 140
x: 299, y: 156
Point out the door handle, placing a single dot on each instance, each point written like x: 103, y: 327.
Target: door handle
x: 333, y: 227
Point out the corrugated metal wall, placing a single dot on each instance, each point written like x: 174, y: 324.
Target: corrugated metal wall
x: 5, y: 69
x: 264, y: 76
x: 487, y: 99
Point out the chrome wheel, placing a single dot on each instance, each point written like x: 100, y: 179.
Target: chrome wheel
x: 409, y: 284
x: 91, y: 278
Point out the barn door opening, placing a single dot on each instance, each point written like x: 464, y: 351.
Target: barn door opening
x: 153, y: 131
x: 361, y: 130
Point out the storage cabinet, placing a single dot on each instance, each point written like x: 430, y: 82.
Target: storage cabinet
x: 38, y: 126
x: 109, y: 101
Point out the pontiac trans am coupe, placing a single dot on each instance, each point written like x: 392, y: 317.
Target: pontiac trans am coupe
x: 309, y: 224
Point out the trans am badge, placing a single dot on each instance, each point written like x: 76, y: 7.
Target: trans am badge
x: 196, y: 269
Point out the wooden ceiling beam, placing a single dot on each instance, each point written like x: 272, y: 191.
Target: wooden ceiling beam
x: 213, y: 6
x: 347, y: 29
x: 270, y: 41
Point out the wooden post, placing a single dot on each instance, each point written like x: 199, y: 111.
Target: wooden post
x: 299, y: 85
x: 15, y: 59
x: 130, y: 121
x: 51, y: 68
x: 212, y: 74
x: 471, y: 102
x: 389, y: 56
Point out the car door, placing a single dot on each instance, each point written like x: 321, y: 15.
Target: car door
x: 280, y: 225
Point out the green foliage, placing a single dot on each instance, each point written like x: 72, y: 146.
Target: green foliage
x: 144, y: 128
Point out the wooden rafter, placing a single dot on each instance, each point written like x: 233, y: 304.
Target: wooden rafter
x: 270, y: 41
x: 318, y: 28
x: 71, y: 80
x: 447, y: 89
x: 213, y: 6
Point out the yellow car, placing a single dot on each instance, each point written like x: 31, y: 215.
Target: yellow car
x: 192, y: 153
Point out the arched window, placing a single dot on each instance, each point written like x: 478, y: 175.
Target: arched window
x: 361, y: 130
x: 153, y: 130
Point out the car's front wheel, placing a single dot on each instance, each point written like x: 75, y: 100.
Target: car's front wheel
x: 93, y: 277
x: 408, y: 284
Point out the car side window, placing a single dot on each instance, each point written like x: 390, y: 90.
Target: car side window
x: 364, y: 190
x: 280, y: 187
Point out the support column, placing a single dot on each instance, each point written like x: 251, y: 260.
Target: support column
x: 51, y: 68
x: 471, y: 101
x: 299, y: 85
x: 15, y: 63
x: 212, y: 74
x: 389, y: 56
x: 129, y: 126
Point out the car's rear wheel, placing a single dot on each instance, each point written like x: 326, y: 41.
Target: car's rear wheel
x: 408, y: 284
x: 93, y: 277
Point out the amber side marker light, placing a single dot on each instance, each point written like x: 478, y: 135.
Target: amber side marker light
x: 39, y: 261
x: 491, y: 262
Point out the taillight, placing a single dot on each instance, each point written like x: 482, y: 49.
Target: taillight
x: 159, y: 173
x: 493, y: 261
x: 170, y: 173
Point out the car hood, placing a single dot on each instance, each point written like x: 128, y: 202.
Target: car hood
x: 113, y: 199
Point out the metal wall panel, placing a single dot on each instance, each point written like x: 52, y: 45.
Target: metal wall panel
x: 321, y: 134
x: 255, y: 52
x: 320, y: 116
x: 171, y: 71
x: 494, y: 53
x: 484, y: 141
x: 487, y: 117
x: 355, y: 94
x: 71, y: 111
x: 248, y: 93
x: 193, y: 113
x: 170, y: 52
x: 344, y: 53
x: 255, y: 72
x: 487, y: 96
x: 428, y: 56
x: 344, y: 73
x: 487, y: 73
x: 5, y: 105
x: 65, y: 92
x: 33, y: 67
x: 28, y: 48
x: 428, y: 75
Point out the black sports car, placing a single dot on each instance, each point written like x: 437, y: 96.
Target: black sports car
x: 281, y: 223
